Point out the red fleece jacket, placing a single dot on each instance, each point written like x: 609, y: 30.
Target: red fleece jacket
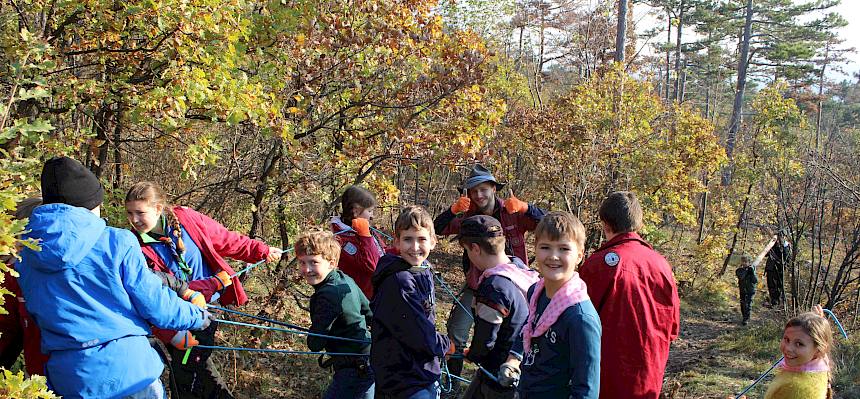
x: 215, y: 242
x: 634, y: 292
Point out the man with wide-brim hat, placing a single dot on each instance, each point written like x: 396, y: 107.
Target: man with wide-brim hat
x: 516, y: 217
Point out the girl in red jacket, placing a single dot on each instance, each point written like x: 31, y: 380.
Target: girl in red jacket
x: 190, y: 246
x: 360, y: 249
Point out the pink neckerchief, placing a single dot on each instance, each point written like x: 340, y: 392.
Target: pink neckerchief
x: 571, y: 293
x: 522, y: 278
x: 820, y: 364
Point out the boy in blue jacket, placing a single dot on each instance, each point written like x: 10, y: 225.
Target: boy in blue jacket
x: 93, y: 296
x: 561, y: 337
x: 500, y: 307
x: 405, y: 346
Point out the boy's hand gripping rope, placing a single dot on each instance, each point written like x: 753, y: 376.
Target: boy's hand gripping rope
x: 761, y: 377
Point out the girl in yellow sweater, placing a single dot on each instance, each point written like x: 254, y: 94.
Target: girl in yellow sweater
x: 804, y: 373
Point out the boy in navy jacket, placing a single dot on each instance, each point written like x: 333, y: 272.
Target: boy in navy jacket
x: 406, y: 348
x: 500, y: 308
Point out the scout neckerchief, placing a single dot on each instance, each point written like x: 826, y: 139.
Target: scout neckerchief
x: 571, y: 293
x: 151, y: 238
x: 522, y: 278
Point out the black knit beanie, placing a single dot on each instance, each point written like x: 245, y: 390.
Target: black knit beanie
x: 66, y: 181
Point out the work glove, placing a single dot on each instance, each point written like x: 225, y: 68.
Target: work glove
x: 514, y: 205
x: 451, y: 349
x: 509, y: 376
x: 208, y: 318
x: 461, y: 205
x: 361, y: 226
x: 195, y: 298
x: 274, y: 255
x: 183, y: 340
x: 223, y: 279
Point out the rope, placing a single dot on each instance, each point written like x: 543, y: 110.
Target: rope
x: 289, y: 352
x: 761, y: 377
x: 239, y: 323
x: 248, y: 268
x: 390, y: 238
x: 451, y: 292
x: 283, y: 251
x: 280, y: 323
x: 838, y: 324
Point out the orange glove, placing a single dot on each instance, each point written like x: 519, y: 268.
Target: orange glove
x: 514, y: 205
x: 183, y: 340
x: 223, y: 278
x: 195, y: 298
x: 451, y: 348
x: 462, y: 205
x: 361, y: 226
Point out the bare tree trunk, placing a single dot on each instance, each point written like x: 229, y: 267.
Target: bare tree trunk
x: 621, y: 32
x: 668, y: 55
x: 734, y: 124
x: 677, y: 88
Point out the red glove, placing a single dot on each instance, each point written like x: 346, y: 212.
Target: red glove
x: 514, y: 205
x: 223, y: 278
x: 462, y: 205
x: 183, y: 340
x: 195, y: 298
x: 361, y: 226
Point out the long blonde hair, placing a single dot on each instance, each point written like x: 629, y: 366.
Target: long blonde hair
x: 818, y: 328
x: 154, y: 195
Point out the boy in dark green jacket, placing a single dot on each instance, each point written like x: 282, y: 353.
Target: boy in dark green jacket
x: 338, y: 308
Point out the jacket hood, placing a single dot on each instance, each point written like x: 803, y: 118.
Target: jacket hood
x: 388, y: 264
x: 66, y: 235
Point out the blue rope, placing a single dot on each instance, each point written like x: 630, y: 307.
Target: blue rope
x: 390, y: 238
x: 838, y: 324
x: 457, y: 300
x: 451, y: 292
x: 239, y: 323
x: 248, y: 268
x: 761, y: 377
x: 289, y: 352
x: 457, y: 377
x: 280, y: 323
x: 283, y: 251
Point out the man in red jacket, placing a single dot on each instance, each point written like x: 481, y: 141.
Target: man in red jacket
x: 634, y: 291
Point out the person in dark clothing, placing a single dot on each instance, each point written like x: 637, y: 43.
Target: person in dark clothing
x: 747, y: 281
x: 406, y: 348
x: 517, y: 217
x: 338, y: 308
x: 501, y: 309
x: 777, y: 260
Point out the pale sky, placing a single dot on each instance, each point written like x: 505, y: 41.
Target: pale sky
x: 850, y: 10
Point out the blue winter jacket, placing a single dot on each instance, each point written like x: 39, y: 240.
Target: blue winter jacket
x: 94, y: 298
x: 564, y: 362
x: 405, y: 346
